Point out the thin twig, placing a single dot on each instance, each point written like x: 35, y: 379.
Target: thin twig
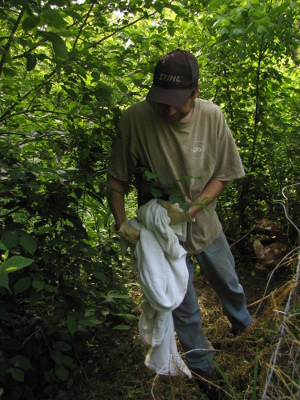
x: 271, y: 276
x: 248, y: 233
x: 85, y: 374
x: 281, y: 332
x: 120, y: 29
x: 7, y: 47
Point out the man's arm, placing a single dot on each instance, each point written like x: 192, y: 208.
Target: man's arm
x: 117, y: 206
x: 209, y: 193
x: 116, y: 200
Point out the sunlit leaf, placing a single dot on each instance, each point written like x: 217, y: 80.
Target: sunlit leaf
x: 15, y: 263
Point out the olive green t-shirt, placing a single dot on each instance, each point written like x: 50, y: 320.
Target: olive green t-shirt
x: 177, y: 160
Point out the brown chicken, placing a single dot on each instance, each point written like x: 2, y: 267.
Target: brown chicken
x: 269, y: 254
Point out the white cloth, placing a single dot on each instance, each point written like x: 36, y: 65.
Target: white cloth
x: 164, y: 277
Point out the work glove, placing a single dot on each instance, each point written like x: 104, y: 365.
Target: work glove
x: 128, y: 233
x: 176, y: 214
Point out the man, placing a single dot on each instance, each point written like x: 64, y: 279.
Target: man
x: 180, y: 149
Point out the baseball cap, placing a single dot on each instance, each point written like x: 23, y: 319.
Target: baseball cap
x: 175, y: 77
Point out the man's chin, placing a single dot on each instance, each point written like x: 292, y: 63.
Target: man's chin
x: 173, y: 118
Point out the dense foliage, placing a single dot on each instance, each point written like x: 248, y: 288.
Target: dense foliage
x: 68, y: 69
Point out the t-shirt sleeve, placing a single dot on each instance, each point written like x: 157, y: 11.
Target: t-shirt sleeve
x: 228, y: 162
x: 122, y: 161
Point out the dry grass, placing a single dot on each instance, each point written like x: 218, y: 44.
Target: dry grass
x: 263, y: 363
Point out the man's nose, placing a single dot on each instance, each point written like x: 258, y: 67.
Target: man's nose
x: 171, y: 110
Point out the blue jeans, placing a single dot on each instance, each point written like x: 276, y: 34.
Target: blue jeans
x: 217, y: 264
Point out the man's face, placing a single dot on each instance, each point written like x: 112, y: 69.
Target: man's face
x: 174, y: 114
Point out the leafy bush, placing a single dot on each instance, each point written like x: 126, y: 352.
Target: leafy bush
x: 58, y: 285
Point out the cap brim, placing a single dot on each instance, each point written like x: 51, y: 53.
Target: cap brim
x: 171, y: 97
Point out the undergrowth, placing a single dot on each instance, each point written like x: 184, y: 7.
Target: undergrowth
x: 262, y: 363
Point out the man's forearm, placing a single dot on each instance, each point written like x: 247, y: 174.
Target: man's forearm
x: 116, y: 200
x: 209, y: 193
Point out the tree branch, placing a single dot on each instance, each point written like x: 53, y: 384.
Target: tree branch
x: 7, y: 47
x: 10, y: 109
x: 83, y: 24
x: 257, y: 108
x: 119, y: 30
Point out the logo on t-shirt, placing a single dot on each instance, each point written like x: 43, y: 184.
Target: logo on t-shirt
x: 198, y: 149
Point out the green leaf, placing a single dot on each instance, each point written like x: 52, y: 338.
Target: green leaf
x: 261, y: 29
x: 130, y: 318
x: 62, y: 373
x: 22, y: 285
x: 122, y: 86
x: 2, y: 246
x: 29, y: 244
x: 100, y: 276
x: 61, y: 346
x: 156, y: 193
x: 70, y: 383
x: 84, y: 153
x: 238, y: 31
x: 103, y: 93
x: 21, y: 362
x: 121, y: 327
x: 38, y: 285
x: 68, y: 361
x: 72, y: 324
x: 280, y: 9
x: 10, y: 239
x: 150, y: 175
x: 90, y: 322
x: 53, y: 18
x: 30, y: 23
x: 4, y: 281
x: 56, y: 356
x: 51, y: 289
x: 31, y: 62
x: 95, y: 75
x: 158, y: 6
x: 9, y: 71
x: 15, y: 263
x: 59, y: 46
x: 112, y: 296
x: 17, y: 374
x: 73, y: 14
x: 171, y: 30
x: 60, y: 3
x: 16, y: 174
x: 72, y: 105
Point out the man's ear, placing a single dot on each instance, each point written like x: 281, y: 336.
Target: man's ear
x: 196, y: 92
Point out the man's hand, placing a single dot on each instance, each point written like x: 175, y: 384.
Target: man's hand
x: 175, y: 213
x: 129, y: 233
